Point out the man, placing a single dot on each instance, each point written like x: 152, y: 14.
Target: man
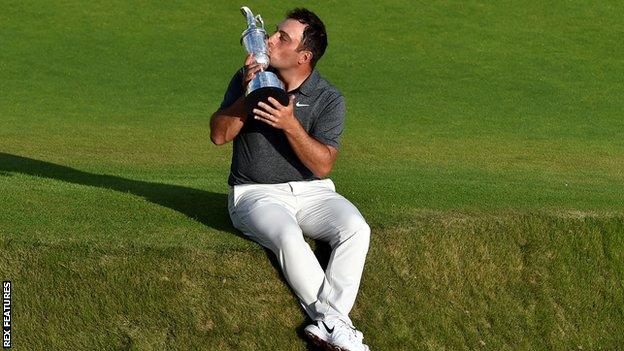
x: 277, y: 195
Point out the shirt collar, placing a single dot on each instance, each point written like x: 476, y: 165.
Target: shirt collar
x: 307, y: 87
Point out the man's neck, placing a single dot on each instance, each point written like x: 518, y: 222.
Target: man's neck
x: 294, y: 78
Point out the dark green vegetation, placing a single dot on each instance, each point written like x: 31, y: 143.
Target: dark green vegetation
x: 484, y: 145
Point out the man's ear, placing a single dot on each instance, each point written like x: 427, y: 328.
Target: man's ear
x: 305, y: 57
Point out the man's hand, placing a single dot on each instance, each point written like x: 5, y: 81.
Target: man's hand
x: 277, y: 115
x: 316, y: 156
x: 249, y: 70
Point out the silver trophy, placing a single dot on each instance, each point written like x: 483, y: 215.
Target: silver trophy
x: 264, y: 84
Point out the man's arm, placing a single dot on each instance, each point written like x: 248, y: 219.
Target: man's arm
x: 318, y: 157
x: 225, y: 124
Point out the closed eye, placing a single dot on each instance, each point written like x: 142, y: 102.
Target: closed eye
x: 283, y: 35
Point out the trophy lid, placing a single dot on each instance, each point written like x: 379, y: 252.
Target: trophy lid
x: 251, y: 20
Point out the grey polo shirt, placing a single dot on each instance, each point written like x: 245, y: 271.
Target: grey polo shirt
x: 263, y: 155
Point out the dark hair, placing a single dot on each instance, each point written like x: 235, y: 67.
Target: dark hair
x: 314, y: 36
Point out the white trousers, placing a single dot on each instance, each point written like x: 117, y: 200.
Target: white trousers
x: 278, y: 215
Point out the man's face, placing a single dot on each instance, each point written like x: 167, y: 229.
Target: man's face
x: 284, y: 42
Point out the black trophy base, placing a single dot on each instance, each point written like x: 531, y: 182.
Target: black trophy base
x: 263, y: 95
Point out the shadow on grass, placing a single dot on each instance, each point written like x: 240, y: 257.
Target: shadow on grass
x: 206, y: 207
x: 203, y: 206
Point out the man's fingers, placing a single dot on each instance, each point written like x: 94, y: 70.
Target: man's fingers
x: 274, y: 102
x: 250, y: 72
x: 266, y: 107
x: 278, y: 105
x: 252, y: 69
x: 263, y: 114
x: 249, y: 59
x: 265, y: 121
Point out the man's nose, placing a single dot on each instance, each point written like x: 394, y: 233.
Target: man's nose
x: 271, y: 40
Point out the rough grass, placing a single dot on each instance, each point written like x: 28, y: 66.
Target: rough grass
x: 445, y: 281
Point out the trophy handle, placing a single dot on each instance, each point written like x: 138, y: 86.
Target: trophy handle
x: 259, y: 19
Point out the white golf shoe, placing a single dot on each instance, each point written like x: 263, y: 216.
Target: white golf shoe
x: 335, y: 335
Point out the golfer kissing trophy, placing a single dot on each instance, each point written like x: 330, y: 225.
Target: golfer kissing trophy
x: 265, y: 84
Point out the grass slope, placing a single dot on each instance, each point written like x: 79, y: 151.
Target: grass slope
x: 483, y: 145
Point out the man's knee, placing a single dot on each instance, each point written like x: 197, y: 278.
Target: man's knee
x: 364, y: 232
x: 357, y: 227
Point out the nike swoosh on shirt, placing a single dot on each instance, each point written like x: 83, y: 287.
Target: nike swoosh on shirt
x: 301, y: 105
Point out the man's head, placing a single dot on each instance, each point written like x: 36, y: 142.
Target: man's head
x: 299, y: 40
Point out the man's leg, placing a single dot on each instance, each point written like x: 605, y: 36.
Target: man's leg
x: 328, y: 216
x: 266, y: 214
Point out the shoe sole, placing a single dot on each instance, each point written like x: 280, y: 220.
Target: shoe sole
x: 323, y: 344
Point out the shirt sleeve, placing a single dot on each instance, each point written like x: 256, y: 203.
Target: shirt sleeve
x: 234, y: 90
x: 330, y: 123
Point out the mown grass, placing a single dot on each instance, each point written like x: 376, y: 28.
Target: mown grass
x: 483, y: 145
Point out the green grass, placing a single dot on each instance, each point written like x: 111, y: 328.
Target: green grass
x: 483, y: 145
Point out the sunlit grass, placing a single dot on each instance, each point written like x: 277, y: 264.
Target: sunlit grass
x: 483, y: 145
